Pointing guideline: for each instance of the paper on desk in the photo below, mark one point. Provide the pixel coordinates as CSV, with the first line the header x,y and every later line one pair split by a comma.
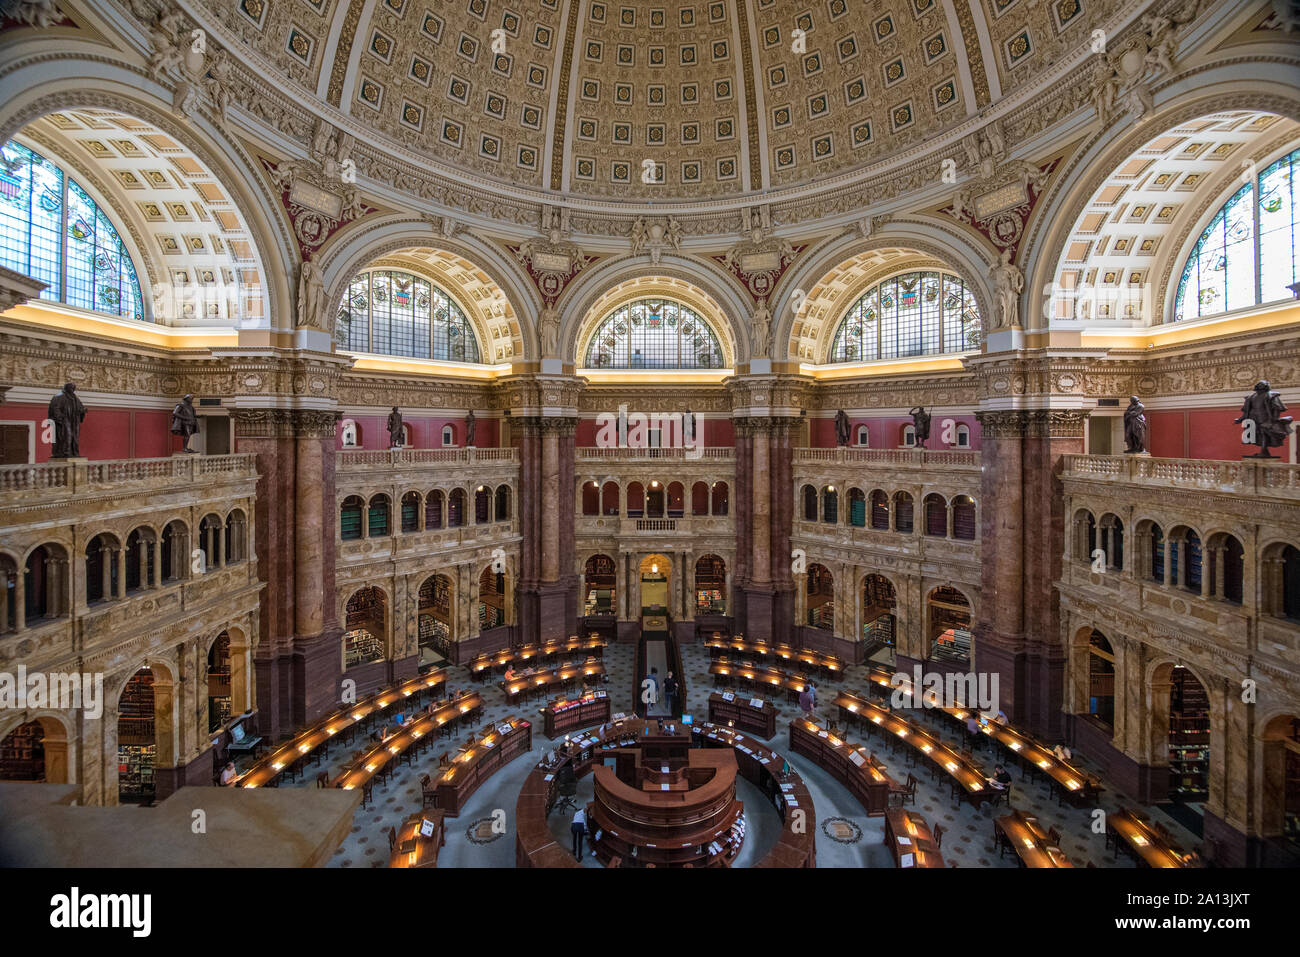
x,y
905,860
756,702
904,840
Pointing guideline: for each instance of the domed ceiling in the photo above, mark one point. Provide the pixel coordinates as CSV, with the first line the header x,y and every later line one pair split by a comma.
x,y
642,100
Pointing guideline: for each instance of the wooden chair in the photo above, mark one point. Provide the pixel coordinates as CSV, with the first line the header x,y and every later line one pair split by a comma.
x,y
392,839
908,791
428,793
323,779
1054,836
938,835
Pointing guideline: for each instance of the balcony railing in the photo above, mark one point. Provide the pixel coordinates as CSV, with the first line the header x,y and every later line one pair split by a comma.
x,y
78,477
366,460
1247,477
893,457
713,453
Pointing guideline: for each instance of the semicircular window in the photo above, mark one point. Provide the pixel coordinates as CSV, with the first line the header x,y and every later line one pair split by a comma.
x,y
1221,273
654,334
912,314
51,230
395,313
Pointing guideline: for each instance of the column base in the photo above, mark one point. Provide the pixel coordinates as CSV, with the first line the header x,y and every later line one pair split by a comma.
x,y
197,773
1147,783
760,613
317,671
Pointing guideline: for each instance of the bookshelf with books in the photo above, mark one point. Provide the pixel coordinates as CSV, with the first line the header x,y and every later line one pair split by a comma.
x,y
22,754
136,749
360,647
1189,738
435,615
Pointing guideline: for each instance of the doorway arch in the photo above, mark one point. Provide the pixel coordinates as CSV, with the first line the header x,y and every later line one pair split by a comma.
x,y
656,570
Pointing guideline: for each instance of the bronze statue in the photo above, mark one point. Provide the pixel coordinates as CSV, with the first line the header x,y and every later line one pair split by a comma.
x,y
841,428
394,429
1135,427
67,413
921,424
1269,427
185,422
470,427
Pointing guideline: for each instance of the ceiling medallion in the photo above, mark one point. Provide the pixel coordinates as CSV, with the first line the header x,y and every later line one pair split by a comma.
x,y
554,261
760,260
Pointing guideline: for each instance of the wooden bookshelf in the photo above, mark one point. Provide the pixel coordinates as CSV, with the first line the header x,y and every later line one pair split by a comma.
x,y
1189,738
22,755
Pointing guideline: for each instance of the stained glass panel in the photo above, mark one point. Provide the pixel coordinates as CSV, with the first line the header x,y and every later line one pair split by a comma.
x,y
913,314
396,313
1220,272
39,206
654,334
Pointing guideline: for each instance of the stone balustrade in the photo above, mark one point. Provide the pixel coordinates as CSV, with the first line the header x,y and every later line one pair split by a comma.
x,y
1273,479
621,454
925,459
59,480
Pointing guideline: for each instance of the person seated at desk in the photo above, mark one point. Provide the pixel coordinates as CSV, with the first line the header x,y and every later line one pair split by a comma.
x,y
1001,717
400,719
1000,778
1061,752
228,775
972,730
510,674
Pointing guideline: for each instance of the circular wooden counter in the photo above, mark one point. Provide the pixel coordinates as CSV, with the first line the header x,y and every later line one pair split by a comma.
x,y
536,846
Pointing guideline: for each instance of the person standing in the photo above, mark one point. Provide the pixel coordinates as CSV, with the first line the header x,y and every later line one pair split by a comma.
x,y
670,691
578,829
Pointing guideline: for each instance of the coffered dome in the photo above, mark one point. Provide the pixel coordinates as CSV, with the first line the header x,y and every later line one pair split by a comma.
x,y
629,99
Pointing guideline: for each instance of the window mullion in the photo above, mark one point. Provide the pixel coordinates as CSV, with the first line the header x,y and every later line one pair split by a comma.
x,y
1259,252
63,241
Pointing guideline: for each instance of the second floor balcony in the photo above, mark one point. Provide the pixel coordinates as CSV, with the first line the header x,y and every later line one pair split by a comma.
x,y
90,547
1213,546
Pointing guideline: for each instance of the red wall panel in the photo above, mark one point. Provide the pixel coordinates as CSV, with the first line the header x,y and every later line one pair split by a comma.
x,y
886,432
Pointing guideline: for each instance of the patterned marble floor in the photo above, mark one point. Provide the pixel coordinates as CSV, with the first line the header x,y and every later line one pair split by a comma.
x,y
846,837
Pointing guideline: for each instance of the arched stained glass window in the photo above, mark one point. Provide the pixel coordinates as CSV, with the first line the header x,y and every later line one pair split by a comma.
x,y
654,334
51,230
1241,261
913,314
395,313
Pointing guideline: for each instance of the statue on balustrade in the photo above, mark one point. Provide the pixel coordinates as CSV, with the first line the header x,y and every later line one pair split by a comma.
x,y
394,429
1135,427
470,427
688,429
921,424
1268,427
841,428
185,422
67,413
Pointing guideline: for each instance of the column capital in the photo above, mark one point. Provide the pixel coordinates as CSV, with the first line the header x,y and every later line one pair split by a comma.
x,y
284,423
1032,423
563,426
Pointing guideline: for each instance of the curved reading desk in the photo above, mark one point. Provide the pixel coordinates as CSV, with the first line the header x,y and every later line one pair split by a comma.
x,y
536,846
341,724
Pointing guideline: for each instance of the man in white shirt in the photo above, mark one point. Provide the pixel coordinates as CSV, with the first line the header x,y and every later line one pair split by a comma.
x,y
228,775
578,828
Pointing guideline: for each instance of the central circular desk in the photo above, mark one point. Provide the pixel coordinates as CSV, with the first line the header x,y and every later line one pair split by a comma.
x,y
707,806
